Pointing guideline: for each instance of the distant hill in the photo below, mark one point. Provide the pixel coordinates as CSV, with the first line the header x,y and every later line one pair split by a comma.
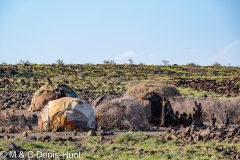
x,y
93,80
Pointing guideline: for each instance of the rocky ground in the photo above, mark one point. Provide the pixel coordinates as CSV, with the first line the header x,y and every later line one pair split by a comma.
x,y
17,100
225,87
163,143
214,143
170,143
204,133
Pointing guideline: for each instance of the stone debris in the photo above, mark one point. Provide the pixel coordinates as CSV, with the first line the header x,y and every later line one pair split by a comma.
x,y
203,134
12,129
33,138
28,127
25,134
22,121
45,138
74,133
101,138
13,147
57,139
70,139
5,136
91,133
32,118
106,133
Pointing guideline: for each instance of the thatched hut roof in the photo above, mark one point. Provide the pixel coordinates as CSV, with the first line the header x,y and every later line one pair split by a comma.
x,y
140,90
144,91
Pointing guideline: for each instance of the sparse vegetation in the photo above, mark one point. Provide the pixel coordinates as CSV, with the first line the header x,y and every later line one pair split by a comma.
x,y
165,62
108,62
192,64
217,88
131,146
130,61
91,80
216,64
60,62
27,62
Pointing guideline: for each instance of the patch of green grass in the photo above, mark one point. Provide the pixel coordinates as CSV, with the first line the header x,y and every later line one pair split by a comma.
x,y
132,145
130,137
39,146
128,145
237,84
191,92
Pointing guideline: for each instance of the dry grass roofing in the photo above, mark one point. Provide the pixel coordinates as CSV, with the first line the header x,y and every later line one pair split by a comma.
x,y
122,113
140,90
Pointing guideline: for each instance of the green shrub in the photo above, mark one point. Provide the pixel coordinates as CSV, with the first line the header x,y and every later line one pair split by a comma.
x,y
237,84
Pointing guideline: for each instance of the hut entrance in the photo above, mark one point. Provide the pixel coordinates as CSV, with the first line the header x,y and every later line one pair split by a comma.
x,y
156,109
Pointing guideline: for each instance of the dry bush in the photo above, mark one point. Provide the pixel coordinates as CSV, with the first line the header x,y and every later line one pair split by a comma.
x,y
216,65
192,64
5,118
170,91
2,116
122,113
209,106
140,90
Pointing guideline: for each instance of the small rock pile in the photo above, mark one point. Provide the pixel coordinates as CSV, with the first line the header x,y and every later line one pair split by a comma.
x,y
225,86
192,135
10,129
18,100
16,119
205,134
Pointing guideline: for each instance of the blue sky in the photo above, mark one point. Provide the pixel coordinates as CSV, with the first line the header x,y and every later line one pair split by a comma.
x,y
91,31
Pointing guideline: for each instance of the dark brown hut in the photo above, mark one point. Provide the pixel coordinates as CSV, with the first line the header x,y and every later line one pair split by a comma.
x,y
150,97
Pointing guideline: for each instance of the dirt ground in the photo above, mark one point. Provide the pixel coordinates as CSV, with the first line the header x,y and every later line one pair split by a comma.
x,y
37,134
